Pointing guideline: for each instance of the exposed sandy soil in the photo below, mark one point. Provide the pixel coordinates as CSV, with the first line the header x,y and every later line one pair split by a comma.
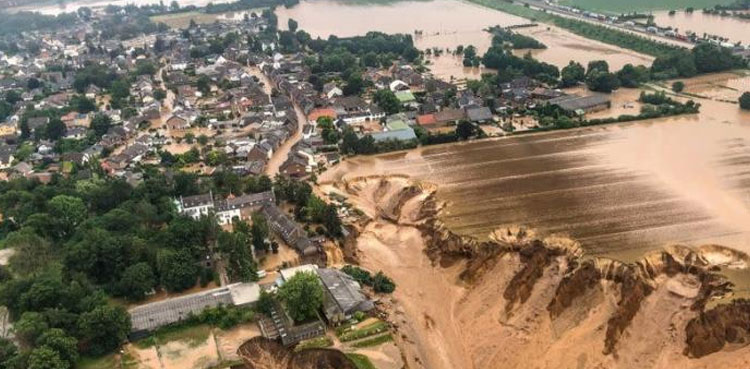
x,y
189,355
229,341
503,318
143,358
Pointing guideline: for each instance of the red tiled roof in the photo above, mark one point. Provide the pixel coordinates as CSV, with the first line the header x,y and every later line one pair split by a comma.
x,y
321,112
426,120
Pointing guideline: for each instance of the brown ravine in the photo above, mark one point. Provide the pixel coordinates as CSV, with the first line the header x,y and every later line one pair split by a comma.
x,y
262,353
676,271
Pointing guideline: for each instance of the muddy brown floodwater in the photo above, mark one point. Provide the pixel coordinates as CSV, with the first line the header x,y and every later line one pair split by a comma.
x,y
735,29
446,24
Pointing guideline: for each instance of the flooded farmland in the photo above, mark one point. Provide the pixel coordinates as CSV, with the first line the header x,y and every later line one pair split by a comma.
x,y
735,29
446,24
620,190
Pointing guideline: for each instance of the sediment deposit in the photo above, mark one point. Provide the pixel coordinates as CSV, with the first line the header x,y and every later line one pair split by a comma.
x,y
262,353
516,301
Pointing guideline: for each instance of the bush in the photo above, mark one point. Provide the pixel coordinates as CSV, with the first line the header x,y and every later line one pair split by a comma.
x,y
745,101
380,283
678,86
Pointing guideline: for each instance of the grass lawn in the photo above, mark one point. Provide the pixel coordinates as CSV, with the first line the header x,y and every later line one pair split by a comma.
x,y
319,342
624,6
194,335
375,341
369,330
361,361
105,362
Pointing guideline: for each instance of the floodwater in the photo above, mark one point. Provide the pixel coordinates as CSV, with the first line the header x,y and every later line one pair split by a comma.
x,y
55,8
445,24
620,190
735,29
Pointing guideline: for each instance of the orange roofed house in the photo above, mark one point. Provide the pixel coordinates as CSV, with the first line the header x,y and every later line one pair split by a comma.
x,y
321,112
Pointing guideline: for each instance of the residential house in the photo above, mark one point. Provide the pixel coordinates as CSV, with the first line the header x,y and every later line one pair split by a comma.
x,y
289,230
177,123
6,155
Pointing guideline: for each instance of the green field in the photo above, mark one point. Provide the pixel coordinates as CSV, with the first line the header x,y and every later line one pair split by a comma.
x,y
361,361
625,6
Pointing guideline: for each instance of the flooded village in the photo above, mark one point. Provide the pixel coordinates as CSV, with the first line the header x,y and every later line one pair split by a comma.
x,y
341,184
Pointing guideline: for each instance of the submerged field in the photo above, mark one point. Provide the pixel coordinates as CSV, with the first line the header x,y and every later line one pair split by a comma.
x,y
626,6
619,190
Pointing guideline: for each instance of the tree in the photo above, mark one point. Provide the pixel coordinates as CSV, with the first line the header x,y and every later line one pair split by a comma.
x,y
63,344
178,271
235,247
101,124
382,284
678,86
265,302
30,326
8,353
745,101
120,89
103,329
631,76
572,74
387,101
302,295
354,85
55,129
259,231
597,65
331,221
160,94
602,81
202,140
46,358
82,104
204,84
32,253
136,281
292,25
12,97
465,130
68,212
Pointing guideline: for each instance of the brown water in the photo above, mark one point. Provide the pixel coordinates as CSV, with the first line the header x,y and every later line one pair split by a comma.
x,y
54,8
446,24
620,190
734,29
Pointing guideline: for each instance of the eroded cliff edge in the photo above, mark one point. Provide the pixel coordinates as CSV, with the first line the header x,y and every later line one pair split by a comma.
x,y
550,294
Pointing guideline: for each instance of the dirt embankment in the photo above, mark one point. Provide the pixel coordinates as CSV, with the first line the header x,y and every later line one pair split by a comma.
x,y
521,302
262,353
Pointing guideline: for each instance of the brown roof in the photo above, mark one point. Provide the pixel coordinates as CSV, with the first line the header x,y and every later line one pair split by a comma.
x,y
449,115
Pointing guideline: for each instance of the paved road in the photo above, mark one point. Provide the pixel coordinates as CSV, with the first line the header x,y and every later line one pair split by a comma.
x,y
640,32
282,153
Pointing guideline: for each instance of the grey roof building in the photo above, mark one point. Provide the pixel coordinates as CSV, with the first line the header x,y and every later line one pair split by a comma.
x,y
479,114
148,317
579,104
289,230
343,296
